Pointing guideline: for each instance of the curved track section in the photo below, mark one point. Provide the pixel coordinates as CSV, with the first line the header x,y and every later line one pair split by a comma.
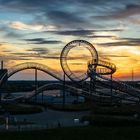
x,y
32,65
117,85
84,93
76,91
106,67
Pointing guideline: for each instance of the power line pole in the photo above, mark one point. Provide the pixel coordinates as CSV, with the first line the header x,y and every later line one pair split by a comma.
x,y
132,74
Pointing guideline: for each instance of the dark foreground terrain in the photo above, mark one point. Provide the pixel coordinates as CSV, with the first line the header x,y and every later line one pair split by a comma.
x,y
77,133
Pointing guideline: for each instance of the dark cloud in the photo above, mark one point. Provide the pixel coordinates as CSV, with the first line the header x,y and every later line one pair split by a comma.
x,y
83,32
37,5
113,55
51,57
120,43
11,57
75,32
101,2
123,13
130,10
35,39
7,51
67,14
39,51
83,57
49,42
26,55
123,42
9,33
66,19
52,12
12,34
100,36
135,40
23,5
20,54
50,5
64,13
42,41
77,64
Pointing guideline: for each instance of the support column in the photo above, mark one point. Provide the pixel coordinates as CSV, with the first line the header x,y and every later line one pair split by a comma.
x,y
2,64
91,84
92,90
42,97
111,89
64,98
77,98
95,84
1,85
36,86
94,78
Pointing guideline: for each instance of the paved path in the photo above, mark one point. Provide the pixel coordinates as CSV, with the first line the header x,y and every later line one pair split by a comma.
x,y
52,117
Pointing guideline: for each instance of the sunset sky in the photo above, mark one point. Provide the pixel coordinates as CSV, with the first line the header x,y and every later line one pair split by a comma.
x,y
37,30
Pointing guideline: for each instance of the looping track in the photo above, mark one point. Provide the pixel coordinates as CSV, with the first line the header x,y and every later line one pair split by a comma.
x,y
64,54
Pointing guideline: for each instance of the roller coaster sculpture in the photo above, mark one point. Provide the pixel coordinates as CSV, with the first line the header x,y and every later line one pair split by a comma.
x,y
96,71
